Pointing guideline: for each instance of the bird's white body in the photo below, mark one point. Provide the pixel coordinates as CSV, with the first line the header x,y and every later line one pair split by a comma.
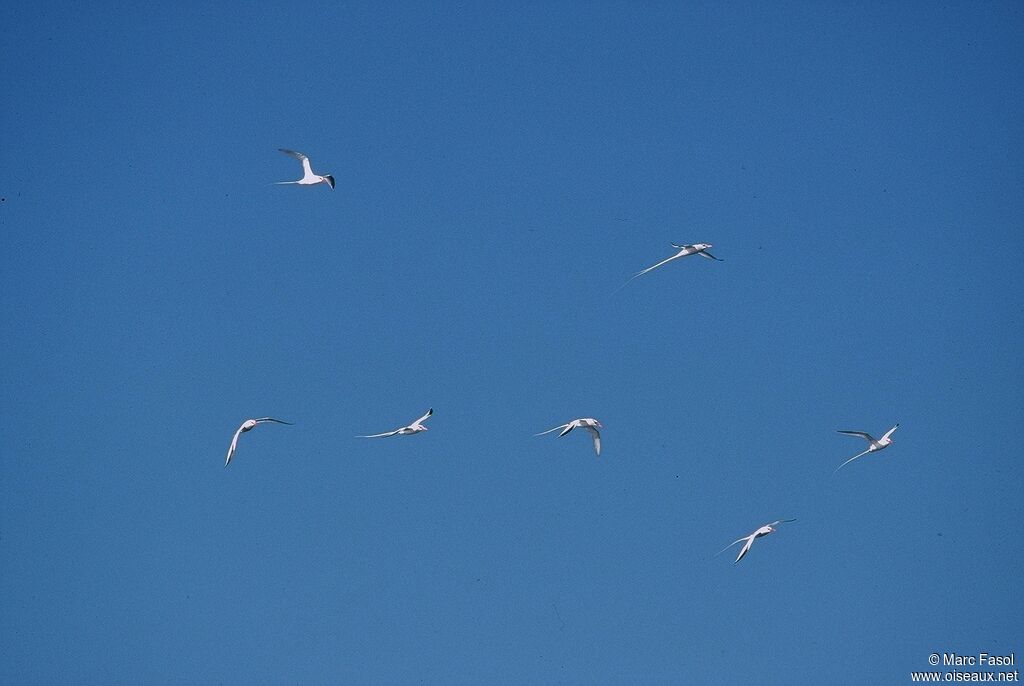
x,y
684,251
247,425
874,445
308,177
414,428
588,423
749,540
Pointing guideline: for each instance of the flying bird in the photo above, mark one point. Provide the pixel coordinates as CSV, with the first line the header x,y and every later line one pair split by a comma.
x,y
248,425
873,445
588,423
763,531
684,250
308,177
413,428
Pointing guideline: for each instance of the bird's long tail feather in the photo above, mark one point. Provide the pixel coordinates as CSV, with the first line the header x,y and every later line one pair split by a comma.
x,y
628,281
851,460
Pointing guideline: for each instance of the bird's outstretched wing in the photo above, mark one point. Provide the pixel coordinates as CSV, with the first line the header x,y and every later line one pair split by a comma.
x,y
705,253
233,446
781,521
889,432
597,439
744,550
745,538
297,155
865,436
424,417
271,419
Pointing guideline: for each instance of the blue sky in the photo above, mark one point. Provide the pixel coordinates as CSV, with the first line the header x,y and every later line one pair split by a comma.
x,y
501,170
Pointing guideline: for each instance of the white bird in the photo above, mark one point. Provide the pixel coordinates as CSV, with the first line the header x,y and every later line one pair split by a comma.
x,y
873,445
248,425
308,177
413,428
763,531
684,250
588,423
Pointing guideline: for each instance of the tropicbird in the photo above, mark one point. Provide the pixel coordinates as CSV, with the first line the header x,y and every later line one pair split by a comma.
x,y
873,445
308,177
588,423
684,250
413,428
763,531
248,425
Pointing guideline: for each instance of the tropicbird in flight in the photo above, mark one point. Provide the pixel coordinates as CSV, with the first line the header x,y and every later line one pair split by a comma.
x,y
248,425
684,250
413,428
588,423
763,531
873,445
308,177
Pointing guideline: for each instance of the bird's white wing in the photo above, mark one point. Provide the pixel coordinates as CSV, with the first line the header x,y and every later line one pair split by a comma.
x,y
231,449
296,155
705,253
386,433
568,427
889,432
781,521
865,436
745,538
745,550
560,426
681,247
271,419
597,439
307,170
850,460
424,417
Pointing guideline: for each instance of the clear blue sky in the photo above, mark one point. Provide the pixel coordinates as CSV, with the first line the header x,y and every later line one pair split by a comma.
x,y
500,172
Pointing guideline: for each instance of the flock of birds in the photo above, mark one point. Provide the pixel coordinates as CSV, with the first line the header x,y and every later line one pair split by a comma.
x,y
309,178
